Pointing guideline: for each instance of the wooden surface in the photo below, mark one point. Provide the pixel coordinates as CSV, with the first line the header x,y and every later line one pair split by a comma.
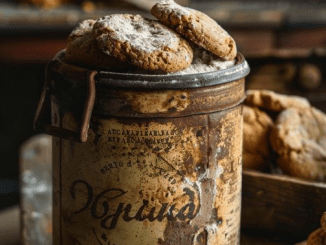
x,y
30,50
301,38
257,239
9,234
249,40
282,205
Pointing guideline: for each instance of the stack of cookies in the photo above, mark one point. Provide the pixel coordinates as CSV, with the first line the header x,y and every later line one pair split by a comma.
x,y
131,43
286,129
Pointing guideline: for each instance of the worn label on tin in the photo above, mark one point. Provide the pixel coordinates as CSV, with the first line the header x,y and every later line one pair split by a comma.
x,y
152,181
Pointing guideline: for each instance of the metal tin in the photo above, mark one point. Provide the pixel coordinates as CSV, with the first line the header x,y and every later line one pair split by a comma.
x,y
161,161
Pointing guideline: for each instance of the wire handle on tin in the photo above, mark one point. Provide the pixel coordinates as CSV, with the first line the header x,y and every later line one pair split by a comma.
x,y
45,102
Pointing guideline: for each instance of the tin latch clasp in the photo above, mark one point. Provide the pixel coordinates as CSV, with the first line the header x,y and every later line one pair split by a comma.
x,y
45,103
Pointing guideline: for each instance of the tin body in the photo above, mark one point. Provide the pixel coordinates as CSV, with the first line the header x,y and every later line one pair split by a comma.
x,y
162,165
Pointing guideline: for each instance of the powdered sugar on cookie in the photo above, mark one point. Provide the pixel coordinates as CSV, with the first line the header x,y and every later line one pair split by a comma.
x,y
82,28
173,7
205,61
142,42
140,33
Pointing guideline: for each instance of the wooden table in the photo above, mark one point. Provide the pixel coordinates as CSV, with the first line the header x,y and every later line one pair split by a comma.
x,y
10,226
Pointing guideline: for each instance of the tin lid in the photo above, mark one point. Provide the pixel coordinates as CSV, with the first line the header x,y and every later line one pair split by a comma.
x,y
151,82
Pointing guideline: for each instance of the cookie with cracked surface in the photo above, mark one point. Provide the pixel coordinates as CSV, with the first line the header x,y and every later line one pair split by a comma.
x,y
256,147
272,101
82,50
197,27
299,139
143,42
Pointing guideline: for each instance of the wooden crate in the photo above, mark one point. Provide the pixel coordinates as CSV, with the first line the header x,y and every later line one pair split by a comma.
x,y
281,205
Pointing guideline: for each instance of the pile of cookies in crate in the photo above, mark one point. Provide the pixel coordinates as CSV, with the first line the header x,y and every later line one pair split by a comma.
x,y
285,135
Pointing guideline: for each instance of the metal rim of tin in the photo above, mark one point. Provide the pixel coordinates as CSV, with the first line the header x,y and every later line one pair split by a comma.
x,y
170,81
125,81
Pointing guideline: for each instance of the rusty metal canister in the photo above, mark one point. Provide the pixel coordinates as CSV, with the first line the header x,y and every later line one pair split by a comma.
x,y
144,159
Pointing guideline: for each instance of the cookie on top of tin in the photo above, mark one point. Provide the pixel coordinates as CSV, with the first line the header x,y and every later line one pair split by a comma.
x,y
196,26
144,43
82,50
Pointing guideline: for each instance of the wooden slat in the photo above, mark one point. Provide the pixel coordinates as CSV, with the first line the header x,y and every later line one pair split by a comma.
x,y
258,239
253,40
301,38
28,50
281,204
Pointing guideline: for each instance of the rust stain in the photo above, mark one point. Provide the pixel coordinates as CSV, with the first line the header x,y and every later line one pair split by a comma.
x,y
158,101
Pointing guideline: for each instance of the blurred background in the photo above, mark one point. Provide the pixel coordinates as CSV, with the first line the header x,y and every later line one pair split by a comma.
x,y
283,41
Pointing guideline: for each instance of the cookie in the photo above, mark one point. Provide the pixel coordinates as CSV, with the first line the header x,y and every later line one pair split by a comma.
x,y
323,221
84,27
144,43
309,77
299,138
197,27
318,237
272,101
60,56
82,50
256,147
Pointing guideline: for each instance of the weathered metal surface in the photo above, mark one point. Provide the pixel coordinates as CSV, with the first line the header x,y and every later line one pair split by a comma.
x,y
159,166
36,190
146,181
168,103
